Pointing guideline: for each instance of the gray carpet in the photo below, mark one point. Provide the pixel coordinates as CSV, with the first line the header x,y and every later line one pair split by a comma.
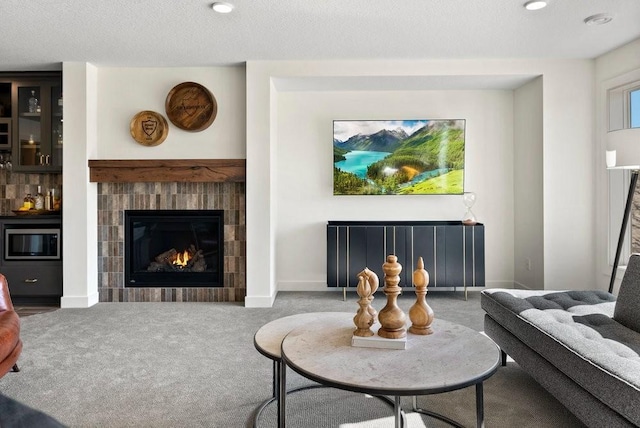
x,y
194,365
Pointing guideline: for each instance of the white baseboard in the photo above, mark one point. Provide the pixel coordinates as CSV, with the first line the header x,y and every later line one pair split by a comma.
x,y
79,301
322,286
304,286
498,283
520,286
259,301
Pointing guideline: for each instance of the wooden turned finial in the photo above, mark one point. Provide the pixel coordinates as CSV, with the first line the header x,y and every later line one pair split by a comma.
x,y
392,318
421,314
374,282
363,319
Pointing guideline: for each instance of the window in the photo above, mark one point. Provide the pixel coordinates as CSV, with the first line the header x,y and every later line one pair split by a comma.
x,y
632,100
634,108
624,112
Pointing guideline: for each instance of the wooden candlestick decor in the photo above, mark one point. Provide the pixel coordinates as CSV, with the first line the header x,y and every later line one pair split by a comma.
x,y
420,313
364,319
392,318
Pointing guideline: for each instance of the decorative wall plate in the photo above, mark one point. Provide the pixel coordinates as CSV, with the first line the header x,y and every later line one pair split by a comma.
x,y
190,106
149,128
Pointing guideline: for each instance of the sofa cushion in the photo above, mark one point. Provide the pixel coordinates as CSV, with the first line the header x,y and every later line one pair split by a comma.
x,y
575,331
627,310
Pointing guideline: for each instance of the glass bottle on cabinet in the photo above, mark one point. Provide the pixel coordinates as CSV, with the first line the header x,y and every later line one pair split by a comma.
x,y
38,132
33,103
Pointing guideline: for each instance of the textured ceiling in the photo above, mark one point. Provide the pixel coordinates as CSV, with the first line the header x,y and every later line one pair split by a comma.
x,y
41,34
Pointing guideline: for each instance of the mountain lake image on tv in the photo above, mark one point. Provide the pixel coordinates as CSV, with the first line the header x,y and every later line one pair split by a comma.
x,y
398,157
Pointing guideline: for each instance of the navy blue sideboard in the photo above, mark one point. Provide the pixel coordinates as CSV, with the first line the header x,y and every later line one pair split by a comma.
x,y
453,253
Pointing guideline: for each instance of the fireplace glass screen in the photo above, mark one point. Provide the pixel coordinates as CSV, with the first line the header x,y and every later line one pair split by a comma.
x,y
176,248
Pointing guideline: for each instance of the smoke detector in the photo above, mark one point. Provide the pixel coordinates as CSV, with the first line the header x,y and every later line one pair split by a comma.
x,y
598,19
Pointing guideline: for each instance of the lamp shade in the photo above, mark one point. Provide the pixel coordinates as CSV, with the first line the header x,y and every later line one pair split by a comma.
x,y
626,145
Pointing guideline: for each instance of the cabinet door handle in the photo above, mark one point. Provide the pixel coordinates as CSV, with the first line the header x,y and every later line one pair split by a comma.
x,y
47,160
31,281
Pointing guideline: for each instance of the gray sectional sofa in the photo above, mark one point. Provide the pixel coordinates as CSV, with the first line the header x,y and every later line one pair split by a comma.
x,y
582,346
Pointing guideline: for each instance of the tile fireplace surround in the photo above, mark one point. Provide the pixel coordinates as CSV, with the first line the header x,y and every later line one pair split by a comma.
x,y
165,184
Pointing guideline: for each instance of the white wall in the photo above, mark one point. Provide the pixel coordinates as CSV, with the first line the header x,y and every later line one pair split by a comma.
x,y
611,70
79,220
567,133
528,180
99,106
123,92
261,189
568,156
305,198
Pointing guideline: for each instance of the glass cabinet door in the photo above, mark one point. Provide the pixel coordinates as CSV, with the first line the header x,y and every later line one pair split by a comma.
x,y
38,129
56,126
29,126
5,119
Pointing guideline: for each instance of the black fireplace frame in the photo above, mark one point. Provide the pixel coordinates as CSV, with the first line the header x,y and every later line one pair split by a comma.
x,y
169,279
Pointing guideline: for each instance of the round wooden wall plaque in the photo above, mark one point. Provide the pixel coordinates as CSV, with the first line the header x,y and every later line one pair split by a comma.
x,y
149,128
190,106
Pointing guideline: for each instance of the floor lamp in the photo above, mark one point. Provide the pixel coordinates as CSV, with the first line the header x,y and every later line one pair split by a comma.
x,y
623,152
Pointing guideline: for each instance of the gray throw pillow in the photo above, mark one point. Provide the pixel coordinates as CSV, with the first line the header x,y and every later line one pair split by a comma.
x,y
627,310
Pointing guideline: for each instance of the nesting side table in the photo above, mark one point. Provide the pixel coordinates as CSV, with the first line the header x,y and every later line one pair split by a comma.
x,y
268,341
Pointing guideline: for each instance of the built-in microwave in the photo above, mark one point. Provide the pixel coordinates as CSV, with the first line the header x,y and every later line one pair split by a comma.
x,y
32,243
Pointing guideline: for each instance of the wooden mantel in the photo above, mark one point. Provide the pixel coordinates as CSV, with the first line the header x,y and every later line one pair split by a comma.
x,y
167,170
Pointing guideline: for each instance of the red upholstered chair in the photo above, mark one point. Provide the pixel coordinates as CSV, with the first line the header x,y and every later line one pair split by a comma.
x,y
10,343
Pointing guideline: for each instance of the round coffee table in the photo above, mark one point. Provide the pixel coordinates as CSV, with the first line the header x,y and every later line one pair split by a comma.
x,y
451,358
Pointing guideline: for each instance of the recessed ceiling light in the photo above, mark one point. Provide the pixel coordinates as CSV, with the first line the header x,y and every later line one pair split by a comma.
x,y
535,4
222,7
598,19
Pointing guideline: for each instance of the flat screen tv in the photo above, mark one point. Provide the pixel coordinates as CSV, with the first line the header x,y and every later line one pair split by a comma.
x,y
398,157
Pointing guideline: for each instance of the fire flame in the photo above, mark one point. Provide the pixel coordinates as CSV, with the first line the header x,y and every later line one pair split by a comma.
x,y
182,259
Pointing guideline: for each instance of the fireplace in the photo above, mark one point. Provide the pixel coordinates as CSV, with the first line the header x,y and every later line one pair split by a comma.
x,y
173,248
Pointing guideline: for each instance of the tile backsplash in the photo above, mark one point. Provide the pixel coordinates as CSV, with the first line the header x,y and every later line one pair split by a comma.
x,y
14,186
